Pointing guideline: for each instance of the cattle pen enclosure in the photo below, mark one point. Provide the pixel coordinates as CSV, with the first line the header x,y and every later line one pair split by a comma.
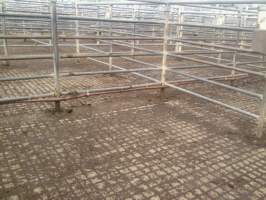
x,y
133,99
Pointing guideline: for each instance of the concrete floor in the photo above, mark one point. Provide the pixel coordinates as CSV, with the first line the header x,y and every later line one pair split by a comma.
x,y
141,147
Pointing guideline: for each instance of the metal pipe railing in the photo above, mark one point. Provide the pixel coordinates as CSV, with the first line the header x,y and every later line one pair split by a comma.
x,y
119,30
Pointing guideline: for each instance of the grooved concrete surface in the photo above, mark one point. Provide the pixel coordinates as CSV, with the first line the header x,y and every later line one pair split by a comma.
x,y
129,146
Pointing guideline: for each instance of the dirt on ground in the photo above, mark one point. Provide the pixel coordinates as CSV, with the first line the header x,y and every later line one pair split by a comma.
x,y
149,144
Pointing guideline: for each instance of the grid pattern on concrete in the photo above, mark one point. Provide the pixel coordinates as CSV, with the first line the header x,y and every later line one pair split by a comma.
x,y
155,150
126,146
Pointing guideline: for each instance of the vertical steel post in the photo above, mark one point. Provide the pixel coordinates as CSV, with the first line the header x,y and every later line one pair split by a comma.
x,y
179,32
243,24
137,17
233,72
4,32
23,25
77,30
220,19
109,15
165,45
262,108
98,24
134,29
261,121
55,52
171,31
234,62
153,31
24,30
261,25
238,36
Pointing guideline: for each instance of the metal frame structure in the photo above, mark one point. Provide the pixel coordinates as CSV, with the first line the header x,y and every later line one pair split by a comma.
x,y
212,35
